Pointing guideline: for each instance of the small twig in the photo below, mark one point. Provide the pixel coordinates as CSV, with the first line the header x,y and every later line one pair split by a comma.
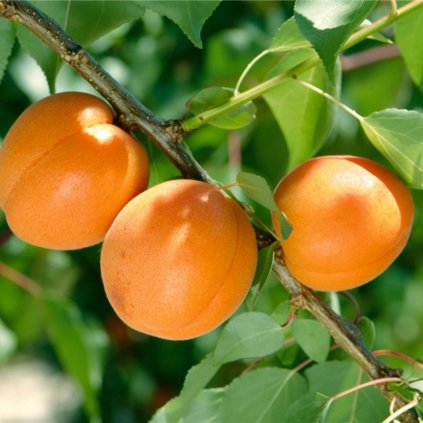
x,y
403,409
19,279
383,381
400,355
369,57
305,363
354,302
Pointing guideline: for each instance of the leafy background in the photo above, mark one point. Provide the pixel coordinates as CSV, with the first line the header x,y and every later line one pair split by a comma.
x,y
124,376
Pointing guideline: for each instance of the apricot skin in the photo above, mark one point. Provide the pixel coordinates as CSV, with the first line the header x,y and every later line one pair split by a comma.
x,y
178,260
66,171
351,218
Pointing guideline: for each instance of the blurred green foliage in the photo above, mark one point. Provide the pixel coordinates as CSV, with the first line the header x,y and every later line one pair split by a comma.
x,y
154,60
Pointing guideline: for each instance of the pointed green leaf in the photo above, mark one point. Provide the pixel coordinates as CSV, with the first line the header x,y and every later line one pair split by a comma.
x,y
328,23
86,21
312,337
409,36
248,335
398,135
262,396
264,266
7,39
304,117
257,188
215,96
190,16
289,37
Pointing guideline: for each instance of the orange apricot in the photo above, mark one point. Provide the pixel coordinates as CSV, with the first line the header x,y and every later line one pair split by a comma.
x,y
178,260
66,171
351,218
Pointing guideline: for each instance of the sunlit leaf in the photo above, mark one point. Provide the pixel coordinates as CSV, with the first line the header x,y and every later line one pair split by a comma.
x,y
328,23
398,135
304,117
289,37
86,21
409,36
310,408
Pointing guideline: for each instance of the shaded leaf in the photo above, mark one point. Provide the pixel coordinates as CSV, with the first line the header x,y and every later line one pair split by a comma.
x,y
312,337
85,21
264,266
215,96
79,347
257,188
409,36
330,378
328,23
7,39
367,330
310,408
190,16
304,117
398,135
262,396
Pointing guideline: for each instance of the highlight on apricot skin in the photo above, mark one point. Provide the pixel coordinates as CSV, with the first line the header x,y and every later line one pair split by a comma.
x,y
66,171
351,218
178,260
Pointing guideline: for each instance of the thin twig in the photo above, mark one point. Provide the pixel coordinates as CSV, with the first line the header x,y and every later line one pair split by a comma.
x,y
19,279
354,302
399,355
403,409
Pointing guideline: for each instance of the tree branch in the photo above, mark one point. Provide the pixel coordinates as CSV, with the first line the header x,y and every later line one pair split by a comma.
x,y
167,135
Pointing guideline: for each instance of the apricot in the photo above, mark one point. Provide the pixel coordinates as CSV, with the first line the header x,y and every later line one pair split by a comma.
x,y
66,171
178,260
351,218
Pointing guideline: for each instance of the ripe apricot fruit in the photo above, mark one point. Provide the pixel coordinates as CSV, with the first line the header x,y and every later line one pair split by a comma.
x,y
351,219
178,260
66,171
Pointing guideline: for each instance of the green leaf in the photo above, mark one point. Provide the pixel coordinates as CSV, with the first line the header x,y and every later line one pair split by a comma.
x,y
264,266
189,15
328,23
206,407
7,39
248,335
262,396
367,330
257,188
304,117
8,342
289,37
79,347
312,337
215,96
310,408
85,21
331,378
398,135
409,36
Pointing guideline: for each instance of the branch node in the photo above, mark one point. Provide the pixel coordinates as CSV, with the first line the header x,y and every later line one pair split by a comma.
x,y
7,10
